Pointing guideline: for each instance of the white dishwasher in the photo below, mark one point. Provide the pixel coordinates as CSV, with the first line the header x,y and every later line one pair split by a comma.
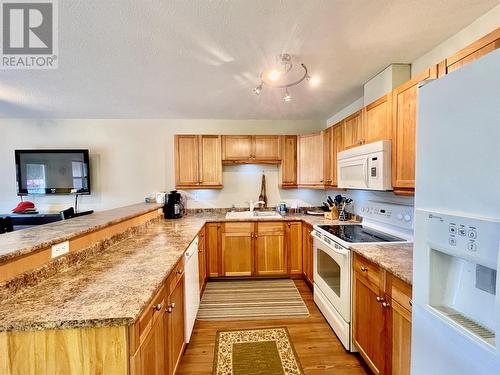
x,y
191,288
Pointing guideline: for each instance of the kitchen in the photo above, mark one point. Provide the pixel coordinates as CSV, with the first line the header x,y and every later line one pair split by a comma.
x,y
362,253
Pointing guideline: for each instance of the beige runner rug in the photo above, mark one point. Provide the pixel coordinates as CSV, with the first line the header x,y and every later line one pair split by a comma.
x,y
251,300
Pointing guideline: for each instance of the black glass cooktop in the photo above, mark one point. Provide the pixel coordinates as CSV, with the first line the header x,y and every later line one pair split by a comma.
x,y
358,233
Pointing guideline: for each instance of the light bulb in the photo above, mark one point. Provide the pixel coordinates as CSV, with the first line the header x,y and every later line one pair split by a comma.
x,y
287,98
274,75
314,81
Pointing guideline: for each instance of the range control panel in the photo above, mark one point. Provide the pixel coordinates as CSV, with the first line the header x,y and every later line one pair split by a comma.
x,y
388,213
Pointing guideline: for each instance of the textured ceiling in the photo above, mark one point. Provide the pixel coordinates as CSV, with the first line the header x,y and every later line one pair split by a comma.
x,y
201,59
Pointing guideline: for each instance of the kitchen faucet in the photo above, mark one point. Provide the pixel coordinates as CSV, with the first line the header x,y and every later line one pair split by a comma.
x,y
252,204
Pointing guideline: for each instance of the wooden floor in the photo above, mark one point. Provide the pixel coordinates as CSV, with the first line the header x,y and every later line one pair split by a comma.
x,y
319,350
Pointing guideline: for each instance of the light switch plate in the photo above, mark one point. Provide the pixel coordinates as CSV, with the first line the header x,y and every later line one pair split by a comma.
x,y
60,249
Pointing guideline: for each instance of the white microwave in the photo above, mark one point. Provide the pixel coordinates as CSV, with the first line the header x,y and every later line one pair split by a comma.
x,y
366,167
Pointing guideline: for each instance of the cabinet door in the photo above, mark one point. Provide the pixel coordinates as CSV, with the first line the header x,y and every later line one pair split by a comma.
x,y
186,160
237,147
352,128
369,323
202,259
479,48
310,160
293,241
337,146
213,249
404,132
152,356
267,148
377,122
400,335
210,161
288,169
328,162
270,249
307,248
237,249
175,331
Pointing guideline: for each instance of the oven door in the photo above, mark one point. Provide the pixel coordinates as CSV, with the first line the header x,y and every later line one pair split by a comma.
x,y
332,274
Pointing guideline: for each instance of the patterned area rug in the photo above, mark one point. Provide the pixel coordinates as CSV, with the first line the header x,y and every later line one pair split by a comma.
x,y
267,351
252,299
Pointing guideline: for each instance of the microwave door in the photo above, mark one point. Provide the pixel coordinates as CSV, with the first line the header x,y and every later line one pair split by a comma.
x,y
353,173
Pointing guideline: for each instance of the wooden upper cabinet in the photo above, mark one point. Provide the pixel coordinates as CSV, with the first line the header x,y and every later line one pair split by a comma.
x,y
474,51
210,160
293,247
237,147
404,119
186,160
310,160
333,143
377,120
251,149
352,130
267,148
237,249
270,249
288,169
198,161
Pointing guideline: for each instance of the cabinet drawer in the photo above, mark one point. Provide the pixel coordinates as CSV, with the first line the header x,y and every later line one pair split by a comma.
x,y
176,275
270,228
148,317
367,270
399,291
238,228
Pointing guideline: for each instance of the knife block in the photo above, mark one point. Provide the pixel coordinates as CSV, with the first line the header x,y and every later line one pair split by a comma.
x,y
333,214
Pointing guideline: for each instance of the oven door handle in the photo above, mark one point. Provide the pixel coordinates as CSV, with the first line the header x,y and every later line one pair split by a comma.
x,y
332,247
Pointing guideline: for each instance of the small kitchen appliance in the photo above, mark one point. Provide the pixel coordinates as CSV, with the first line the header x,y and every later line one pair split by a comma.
x,y
174,208
382,223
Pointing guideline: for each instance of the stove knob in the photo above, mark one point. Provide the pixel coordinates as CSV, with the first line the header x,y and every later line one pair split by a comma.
x,y
407,218
400,216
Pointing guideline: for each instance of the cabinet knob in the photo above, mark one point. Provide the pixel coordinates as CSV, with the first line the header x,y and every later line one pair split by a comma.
x,y
364,269
179,271
380,299
169,310
386,305
172,305
410,302
157,307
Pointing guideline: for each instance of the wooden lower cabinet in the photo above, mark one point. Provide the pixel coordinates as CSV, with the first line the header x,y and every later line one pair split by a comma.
x,y
202,259
270,249
308,258
237,249
381,318
293,247
175,327
213,251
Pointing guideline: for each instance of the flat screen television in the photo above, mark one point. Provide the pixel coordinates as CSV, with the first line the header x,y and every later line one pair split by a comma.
x,y
52,172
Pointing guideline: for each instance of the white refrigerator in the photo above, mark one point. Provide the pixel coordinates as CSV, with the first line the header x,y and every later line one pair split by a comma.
x,y
456,280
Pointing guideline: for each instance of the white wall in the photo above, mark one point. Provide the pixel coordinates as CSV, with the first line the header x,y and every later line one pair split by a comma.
x,y
131,158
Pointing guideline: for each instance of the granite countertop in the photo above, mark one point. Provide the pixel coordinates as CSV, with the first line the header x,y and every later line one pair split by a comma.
x,y
28,240
397,258
114,287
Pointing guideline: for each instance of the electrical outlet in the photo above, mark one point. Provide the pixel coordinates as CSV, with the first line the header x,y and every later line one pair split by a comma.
x,y
60,249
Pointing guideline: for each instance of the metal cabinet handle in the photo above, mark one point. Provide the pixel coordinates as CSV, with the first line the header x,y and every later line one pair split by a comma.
x,y
410,302
157,307
380,299
364,269
386,305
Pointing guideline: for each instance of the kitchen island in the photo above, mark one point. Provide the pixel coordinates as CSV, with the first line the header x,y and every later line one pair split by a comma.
x,y
114,300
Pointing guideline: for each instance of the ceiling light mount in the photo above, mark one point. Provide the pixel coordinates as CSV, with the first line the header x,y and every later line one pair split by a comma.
x,y
283,75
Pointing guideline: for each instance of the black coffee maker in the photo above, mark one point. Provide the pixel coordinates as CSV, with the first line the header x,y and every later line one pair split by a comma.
x,y
173,207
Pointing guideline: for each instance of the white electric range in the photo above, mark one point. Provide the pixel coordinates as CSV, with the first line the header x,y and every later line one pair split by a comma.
x,y
382,223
